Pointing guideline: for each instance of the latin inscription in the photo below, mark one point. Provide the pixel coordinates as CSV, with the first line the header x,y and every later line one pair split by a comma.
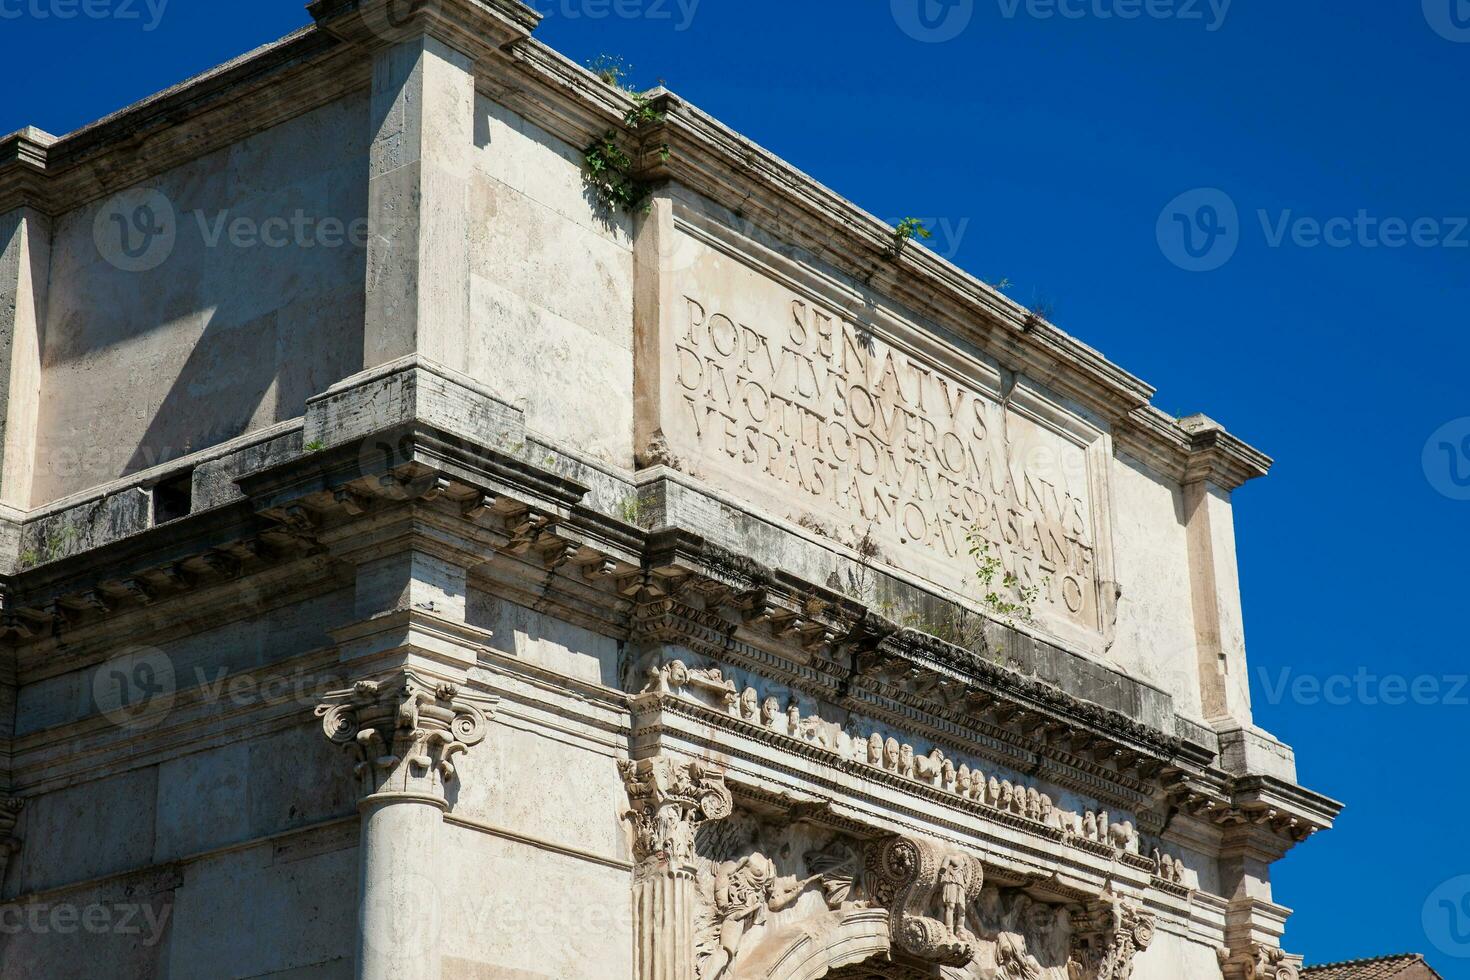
x,y
853,428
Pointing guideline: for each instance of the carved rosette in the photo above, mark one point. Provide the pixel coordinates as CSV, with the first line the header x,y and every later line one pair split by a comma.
x,y
405,732
926,889
670,800
1258,963
1106,937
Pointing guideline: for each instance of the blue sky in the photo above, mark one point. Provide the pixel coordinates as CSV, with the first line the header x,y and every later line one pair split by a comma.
x,y
1049,142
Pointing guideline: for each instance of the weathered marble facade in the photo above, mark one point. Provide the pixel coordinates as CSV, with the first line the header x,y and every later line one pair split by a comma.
x,y
719,591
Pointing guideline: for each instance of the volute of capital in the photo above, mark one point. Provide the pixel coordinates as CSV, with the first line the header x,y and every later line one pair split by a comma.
x,y
406,731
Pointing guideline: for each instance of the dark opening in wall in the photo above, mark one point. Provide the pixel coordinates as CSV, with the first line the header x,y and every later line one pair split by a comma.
x,y
173,498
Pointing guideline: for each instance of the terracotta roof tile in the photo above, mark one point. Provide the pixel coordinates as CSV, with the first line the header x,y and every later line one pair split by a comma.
x,y
1378,968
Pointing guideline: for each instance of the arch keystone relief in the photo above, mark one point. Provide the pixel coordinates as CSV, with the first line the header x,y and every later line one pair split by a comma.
x,y
839,414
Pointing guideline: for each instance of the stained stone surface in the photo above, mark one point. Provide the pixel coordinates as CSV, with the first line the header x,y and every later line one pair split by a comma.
x,y
709,592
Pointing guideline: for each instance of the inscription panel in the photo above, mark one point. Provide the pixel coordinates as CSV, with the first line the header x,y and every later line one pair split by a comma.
x,y
786,389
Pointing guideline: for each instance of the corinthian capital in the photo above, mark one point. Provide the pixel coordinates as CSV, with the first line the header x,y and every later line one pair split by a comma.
x,y
405,732
670,800
1257,962
1106,936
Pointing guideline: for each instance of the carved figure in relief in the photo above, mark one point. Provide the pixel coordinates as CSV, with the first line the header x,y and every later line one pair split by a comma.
x,y
906,761
677,675
793,717
875,749
928,767
746,891
891,755
954,879
770,708
750,704
1122,835
1171,869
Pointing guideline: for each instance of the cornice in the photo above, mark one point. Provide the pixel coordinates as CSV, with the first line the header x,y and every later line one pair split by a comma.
x,y
332,57
274,83
468,25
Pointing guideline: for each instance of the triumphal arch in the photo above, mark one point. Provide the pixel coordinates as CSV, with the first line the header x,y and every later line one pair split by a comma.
x,y
464,519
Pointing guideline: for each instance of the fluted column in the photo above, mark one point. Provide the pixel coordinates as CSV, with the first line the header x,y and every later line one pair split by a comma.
x,y
405,732
670,800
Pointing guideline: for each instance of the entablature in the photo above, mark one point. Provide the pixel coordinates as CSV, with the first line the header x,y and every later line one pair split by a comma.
x,y
530,532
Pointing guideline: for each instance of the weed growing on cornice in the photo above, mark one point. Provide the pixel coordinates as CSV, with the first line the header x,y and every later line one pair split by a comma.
x,y
908,229
608,165
56,543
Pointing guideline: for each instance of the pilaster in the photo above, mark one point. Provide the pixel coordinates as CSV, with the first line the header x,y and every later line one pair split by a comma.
x,y
1214,580
669,800
25,258
418,288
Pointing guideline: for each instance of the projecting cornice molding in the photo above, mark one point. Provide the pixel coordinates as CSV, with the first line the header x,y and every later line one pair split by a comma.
x,y
332,58
469,25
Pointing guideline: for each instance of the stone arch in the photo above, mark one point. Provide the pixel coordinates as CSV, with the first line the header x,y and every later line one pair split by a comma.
x,y
811,948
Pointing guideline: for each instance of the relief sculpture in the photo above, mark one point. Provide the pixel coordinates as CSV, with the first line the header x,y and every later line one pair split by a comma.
x,y
940,910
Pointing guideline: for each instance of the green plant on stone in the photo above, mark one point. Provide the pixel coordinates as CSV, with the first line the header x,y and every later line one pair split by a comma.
x,y
1008,600
608,166
908,229
630,509
611,68
315,446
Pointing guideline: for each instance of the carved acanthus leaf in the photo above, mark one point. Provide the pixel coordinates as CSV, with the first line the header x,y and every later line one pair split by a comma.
x,y
1257,962
670,800
1106,937
405,731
